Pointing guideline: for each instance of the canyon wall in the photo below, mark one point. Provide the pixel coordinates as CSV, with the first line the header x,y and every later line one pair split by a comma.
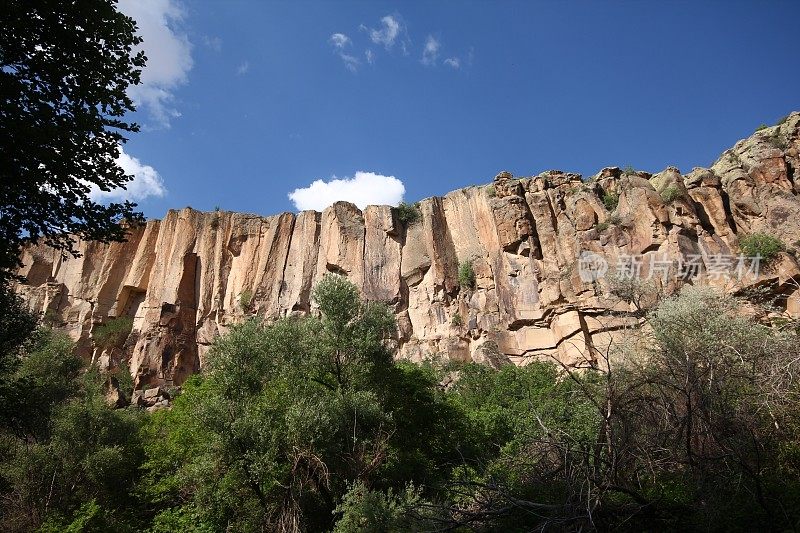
x,y
530,242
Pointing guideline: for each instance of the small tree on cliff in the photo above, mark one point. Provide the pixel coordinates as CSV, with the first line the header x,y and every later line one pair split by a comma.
x,y
65,67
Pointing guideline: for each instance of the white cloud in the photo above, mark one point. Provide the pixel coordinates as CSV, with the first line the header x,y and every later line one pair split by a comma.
x,y
243,68
350,62
168,51
391,28
431,52
339,40
363,189
146,182
453,62
370,56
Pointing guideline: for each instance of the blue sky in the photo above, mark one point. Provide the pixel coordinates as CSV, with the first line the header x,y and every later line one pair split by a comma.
x,y
244,102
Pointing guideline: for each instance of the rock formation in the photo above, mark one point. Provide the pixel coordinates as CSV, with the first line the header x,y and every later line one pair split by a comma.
x,y
187,278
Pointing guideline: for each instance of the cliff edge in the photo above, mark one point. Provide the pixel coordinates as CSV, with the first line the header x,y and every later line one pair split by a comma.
x,y
506,273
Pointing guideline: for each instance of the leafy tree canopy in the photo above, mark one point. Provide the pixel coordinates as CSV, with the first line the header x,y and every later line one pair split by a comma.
x,y
65,67
288,416
308,424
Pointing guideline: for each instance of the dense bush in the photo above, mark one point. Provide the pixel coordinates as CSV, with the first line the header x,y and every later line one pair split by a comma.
x,y
466,275
112,333
408,213
17,324
371,511
714,391
611,200
671,193
289,416
245,299
309,424
761,244
68,462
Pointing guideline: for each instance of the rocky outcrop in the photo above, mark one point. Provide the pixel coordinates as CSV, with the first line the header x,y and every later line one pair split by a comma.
x,y
187,278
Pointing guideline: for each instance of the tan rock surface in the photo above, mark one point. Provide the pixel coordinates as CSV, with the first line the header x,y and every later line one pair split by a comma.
x,y
187,278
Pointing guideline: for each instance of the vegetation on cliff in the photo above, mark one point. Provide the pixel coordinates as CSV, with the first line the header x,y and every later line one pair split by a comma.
x,y
689,421
310,424
762,245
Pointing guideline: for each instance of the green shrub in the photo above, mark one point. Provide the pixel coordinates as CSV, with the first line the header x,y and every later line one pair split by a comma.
x,y
671,193
299,404
245,299
408,213
112,333
457,321
124,378
490,191
601,226
369,511
782,120
762,127
761,244
628,171
466,275
611,200
52,319
17,324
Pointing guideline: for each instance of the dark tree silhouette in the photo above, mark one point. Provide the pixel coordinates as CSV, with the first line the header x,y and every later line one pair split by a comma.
x,y
65,66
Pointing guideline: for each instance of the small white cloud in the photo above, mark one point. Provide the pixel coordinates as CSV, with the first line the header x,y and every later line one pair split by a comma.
x,y
453,62
339,40
350,62
146,182
168,51
370,56
391,29
243,68
431,51
363,189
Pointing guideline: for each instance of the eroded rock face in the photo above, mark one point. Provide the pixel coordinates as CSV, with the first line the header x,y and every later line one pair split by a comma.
x,y
186,279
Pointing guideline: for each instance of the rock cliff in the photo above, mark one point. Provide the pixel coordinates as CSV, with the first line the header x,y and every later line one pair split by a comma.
x,y
538,247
